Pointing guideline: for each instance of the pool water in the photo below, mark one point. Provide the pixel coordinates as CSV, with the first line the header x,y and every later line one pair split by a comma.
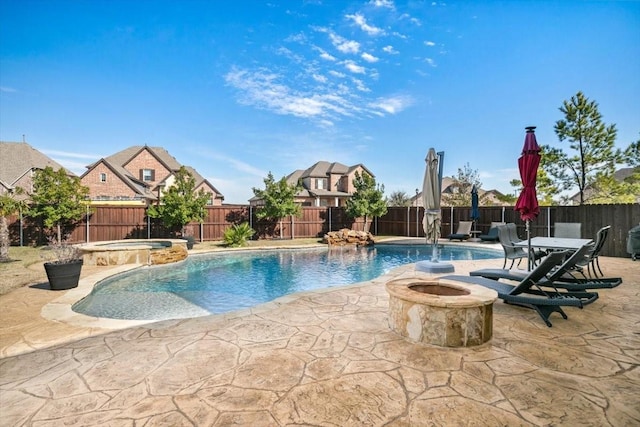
x,y
223,282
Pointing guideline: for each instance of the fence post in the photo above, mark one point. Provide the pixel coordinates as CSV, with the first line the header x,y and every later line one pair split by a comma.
x,y
87,225
201,232
329,208
451,225
21,229
408,223
292,225
548,221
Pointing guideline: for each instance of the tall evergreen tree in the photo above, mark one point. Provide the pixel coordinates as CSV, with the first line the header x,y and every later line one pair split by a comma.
x,y
368,199
278,198
594,156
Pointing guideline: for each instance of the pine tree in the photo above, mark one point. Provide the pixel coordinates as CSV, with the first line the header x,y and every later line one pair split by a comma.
x,y
594,156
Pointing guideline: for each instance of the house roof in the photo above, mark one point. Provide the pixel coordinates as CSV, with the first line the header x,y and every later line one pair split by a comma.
x,y
18,158
123,157
138,187
323,168
201,180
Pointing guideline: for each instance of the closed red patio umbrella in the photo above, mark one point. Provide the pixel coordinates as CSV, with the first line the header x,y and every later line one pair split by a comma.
x,y
528,163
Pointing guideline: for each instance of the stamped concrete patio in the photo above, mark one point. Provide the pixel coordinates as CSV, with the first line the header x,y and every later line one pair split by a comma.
x,y
324,358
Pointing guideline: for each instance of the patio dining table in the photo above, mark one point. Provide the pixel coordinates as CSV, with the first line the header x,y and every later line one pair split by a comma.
x,y
552,244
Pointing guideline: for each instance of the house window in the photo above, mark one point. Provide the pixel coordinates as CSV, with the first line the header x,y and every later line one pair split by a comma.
x,y
210,201
148,175
320,183
103,177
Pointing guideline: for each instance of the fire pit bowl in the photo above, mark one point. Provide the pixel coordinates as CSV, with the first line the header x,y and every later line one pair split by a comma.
x,y
441,312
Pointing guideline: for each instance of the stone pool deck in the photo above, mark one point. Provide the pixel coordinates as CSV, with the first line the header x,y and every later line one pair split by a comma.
x,y
325,358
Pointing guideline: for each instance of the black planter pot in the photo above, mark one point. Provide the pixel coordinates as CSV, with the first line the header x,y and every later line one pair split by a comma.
x,y
190,241
63,276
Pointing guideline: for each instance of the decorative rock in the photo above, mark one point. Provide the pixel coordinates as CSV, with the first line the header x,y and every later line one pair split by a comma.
x,y
348,237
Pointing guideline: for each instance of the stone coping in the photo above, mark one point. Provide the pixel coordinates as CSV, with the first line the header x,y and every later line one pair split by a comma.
x,y
110,245
476,295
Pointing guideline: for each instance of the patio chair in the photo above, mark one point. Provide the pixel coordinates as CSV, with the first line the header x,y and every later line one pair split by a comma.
x,y
591,260
560,277
529,293
571,230
512,252
492,235
463,232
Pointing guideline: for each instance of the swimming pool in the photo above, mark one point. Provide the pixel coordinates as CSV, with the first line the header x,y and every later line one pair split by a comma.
x,y
223,282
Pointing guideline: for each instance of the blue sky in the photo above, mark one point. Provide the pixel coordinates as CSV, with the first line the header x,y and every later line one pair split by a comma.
x,y
240,88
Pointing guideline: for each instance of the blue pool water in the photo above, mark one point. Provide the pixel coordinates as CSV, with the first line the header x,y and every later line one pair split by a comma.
x,y
223,282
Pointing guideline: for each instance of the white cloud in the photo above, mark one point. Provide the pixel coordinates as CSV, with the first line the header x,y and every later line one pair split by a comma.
x,y
263,89
389,49
344,45
354,68
392,105
430,62
319,78
7,89
337,74
236,164
369,58
324,54
429,43
362,23
383,3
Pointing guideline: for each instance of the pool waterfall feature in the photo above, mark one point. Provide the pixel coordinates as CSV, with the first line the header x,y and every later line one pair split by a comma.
x,y
134,251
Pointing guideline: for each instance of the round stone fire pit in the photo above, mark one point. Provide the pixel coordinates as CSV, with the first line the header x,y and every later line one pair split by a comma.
x,y
441,312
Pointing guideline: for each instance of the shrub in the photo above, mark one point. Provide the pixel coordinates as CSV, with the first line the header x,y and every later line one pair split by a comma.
x,y
238,234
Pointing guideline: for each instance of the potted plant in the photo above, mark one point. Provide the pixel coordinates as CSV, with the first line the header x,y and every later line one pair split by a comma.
x,y
63,264
60,200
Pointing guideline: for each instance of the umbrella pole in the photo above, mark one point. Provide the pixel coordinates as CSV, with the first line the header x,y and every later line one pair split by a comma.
x,y
529,247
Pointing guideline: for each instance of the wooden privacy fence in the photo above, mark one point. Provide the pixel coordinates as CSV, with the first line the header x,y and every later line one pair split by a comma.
x,y
131,222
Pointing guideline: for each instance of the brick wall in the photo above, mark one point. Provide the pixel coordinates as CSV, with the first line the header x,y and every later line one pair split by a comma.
x,y
145,160
114,187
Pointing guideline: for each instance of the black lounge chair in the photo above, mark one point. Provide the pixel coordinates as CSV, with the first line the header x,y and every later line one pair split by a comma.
x,y
528,293
463,232
560,277
492,235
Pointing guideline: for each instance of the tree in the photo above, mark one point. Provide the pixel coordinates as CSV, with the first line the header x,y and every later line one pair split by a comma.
x,y
181,204
278,198
59,199
546,189
594,157
398,199
461,187
10,203
368,199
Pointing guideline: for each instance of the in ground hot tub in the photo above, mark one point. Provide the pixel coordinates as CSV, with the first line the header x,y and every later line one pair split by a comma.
x,y
134,251
441,312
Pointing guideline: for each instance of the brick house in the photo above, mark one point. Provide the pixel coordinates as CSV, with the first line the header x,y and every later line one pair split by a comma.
x,y
323,184
18,163
138,175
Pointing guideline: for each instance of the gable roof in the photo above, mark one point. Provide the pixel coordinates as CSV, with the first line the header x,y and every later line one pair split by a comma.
x,y
125,156
138,187
18,158
201,180
323,168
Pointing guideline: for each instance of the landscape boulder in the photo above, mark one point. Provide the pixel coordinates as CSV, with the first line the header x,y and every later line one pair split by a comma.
x,y
348,237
